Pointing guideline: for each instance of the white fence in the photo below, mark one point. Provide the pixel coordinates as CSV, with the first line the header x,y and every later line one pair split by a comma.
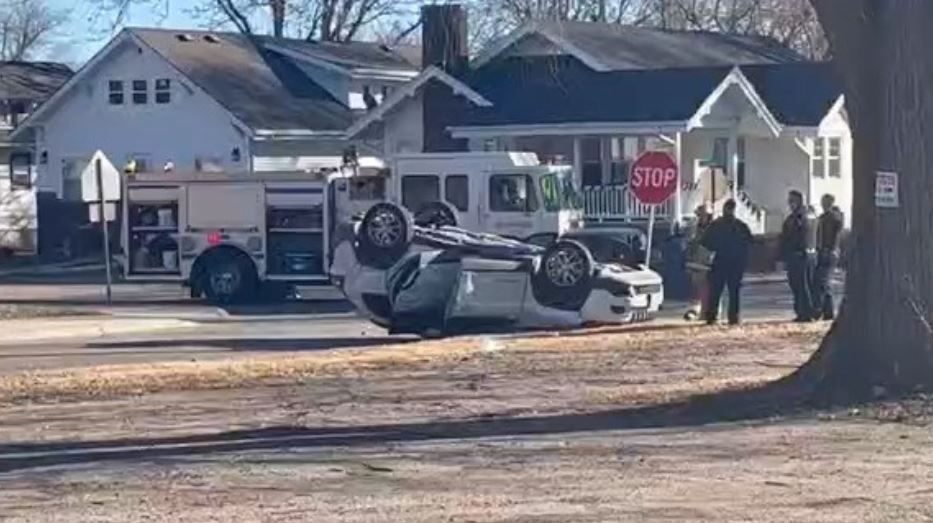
x,y
617,202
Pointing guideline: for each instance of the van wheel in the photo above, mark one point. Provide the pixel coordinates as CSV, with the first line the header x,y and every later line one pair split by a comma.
x,y
229,278
437,215
384,235
563,278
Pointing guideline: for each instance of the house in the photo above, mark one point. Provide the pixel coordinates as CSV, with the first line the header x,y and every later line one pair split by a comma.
x,y
23,87
744,117
196,100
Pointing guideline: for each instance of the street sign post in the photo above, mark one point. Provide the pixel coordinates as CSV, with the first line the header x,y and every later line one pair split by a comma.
x,y
100,184
653,180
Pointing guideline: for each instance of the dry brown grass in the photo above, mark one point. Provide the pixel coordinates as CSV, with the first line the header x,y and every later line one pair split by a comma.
x,y
548,351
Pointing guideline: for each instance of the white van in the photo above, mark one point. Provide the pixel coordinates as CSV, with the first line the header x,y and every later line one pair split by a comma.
x,y
506,193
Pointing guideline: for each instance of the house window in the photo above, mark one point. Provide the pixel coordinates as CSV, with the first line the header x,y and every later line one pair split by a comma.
x,y
591,161
834,157
116,92
720,156
139,162
140,92
163,91
819,158
21,170
512,193
457,191
420,190
740,168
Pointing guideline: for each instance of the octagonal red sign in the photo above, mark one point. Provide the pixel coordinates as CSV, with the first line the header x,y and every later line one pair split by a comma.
x,y
654,177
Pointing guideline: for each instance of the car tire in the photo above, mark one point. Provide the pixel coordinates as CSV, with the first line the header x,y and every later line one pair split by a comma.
x,y
564,276
436,215
384,235
229,278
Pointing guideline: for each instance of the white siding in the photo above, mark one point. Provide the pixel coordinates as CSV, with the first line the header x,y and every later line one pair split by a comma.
x,y
773,167
404,132
191,126
835,126
17,212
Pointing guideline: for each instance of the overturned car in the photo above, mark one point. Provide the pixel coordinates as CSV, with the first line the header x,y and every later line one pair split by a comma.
x,y
440,280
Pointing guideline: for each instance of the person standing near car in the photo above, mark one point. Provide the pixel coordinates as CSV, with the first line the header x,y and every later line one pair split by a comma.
x,y
828,230
798,251
729,239
698,262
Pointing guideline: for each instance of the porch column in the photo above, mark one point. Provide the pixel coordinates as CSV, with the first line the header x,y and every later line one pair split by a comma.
x,y
578,160
679,194
605,158
734,163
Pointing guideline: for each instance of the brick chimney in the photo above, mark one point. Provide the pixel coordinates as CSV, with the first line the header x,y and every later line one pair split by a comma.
x,y
443,44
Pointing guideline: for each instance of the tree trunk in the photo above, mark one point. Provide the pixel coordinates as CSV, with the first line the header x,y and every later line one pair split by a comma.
x,y
278,17
883,339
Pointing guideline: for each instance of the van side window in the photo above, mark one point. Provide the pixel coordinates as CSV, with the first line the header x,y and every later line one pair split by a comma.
x,y
420,190
367,188
457,191
512,193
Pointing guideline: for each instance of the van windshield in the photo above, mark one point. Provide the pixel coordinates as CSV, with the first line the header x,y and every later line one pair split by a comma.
x,y
559,192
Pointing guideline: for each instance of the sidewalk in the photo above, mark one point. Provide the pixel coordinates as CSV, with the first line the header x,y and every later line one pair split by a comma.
x,y
44,329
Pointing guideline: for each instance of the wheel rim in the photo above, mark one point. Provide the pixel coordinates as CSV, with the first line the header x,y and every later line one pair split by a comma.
x,y
385,228
565,267
225,282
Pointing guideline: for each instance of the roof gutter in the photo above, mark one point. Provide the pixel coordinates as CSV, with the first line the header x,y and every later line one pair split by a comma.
x,y
564,129
296,134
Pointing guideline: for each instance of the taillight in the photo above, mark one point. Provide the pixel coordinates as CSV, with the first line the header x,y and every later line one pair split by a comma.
x,y
215,238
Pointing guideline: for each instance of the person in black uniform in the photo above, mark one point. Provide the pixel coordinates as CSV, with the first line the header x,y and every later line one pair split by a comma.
x,y
798,250
728,238
828,230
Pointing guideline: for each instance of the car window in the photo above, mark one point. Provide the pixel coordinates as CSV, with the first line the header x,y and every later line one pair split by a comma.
x,y
541,239
512,193
457,191
419,190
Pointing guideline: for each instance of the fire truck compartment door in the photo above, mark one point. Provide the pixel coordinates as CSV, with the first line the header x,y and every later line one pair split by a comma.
x,y
226,206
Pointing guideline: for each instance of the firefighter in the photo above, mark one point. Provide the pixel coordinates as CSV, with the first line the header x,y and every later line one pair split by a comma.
x,y
729,240
828,230
798,251
698,261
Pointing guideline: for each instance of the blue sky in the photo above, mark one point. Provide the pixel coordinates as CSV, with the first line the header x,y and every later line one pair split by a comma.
x,y
87,29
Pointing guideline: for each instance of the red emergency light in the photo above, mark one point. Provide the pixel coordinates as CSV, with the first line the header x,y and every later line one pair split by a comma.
x,y
215,238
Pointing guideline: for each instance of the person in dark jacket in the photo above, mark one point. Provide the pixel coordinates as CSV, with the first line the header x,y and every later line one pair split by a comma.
x,y
828,230
798,251
728,238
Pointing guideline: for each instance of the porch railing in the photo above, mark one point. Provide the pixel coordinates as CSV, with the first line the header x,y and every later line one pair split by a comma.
x,y
617,202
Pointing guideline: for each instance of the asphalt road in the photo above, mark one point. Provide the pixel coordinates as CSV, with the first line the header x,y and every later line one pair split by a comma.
x,y
322,322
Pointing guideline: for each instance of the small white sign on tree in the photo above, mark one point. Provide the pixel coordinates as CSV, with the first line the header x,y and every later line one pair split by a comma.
x,y
109,179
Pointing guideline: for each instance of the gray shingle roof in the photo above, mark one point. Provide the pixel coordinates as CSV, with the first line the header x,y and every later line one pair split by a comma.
x,y
263,88
561,89
623,47
799,94
35,81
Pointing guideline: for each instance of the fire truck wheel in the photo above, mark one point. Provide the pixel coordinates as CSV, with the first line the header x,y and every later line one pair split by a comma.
x,y
229,277
563,278
436,214
384,235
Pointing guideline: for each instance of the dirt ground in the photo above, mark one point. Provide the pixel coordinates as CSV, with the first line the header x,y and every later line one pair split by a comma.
x,y
542,429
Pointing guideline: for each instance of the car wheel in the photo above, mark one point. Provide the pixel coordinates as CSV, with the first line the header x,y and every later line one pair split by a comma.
x,y
564,275
229,279
436,214
384,235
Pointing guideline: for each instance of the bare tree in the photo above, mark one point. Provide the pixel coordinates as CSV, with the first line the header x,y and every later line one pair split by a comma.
x,y
25,27
326,20
883,338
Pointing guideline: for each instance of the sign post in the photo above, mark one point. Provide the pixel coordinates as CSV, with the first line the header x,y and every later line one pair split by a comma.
x,y
100,184
653,181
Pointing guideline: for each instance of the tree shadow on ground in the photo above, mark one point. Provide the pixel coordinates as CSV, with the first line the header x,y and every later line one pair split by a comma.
x,y
775,399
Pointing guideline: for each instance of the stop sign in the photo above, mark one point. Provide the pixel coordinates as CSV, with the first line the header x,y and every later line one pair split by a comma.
x,y
653,178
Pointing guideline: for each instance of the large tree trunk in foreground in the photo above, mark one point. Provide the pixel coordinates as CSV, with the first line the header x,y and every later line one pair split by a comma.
x,y
883,339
